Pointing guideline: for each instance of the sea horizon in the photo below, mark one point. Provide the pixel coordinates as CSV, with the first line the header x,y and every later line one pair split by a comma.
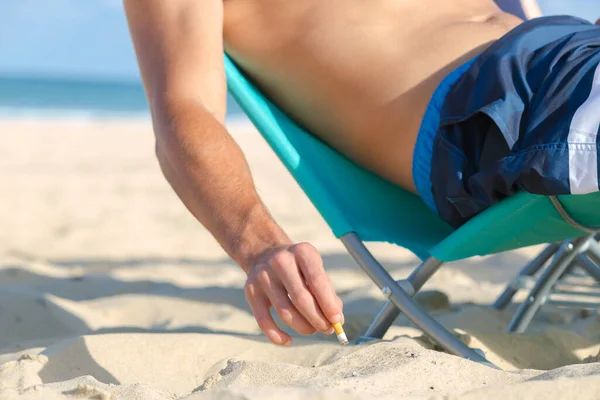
x,y
39,97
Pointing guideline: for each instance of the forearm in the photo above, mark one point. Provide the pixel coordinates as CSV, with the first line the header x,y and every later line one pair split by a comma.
x,y
209,173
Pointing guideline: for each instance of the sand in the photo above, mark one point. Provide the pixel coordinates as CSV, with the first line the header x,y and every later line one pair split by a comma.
x,y
109,289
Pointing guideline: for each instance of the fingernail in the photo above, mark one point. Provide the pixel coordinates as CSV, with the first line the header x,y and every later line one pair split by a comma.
x,y
330,331
288,342
336,318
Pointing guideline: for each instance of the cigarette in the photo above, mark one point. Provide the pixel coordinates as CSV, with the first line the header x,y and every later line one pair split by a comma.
x,y
339,332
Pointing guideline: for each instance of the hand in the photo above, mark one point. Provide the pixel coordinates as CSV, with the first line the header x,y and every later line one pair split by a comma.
x,y
292,280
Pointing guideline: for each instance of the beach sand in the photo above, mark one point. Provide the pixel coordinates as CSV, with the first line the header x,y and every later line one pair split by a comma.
x,y
109,289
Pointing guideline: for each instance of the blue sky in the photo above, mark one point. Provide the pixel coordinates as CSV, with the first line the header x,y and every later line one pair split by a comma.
x,y
89,38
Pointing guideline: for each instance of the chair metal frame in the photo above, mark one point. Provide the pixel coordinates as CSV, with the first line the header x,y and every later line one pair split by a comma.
x,y
582,252
399,295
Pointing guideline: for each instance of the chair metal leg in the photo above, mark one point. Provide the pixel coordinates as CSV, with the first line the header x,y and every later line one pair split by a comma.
x,y
539,294
405,303
423,272
388,313
587,262
571,268
575,304
382,322
589,266
593,252
529,270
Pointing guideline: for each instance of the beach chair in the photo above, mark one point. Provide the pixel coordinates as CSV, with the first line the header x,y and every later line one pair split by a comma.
x,y
361,207
542,287
584,264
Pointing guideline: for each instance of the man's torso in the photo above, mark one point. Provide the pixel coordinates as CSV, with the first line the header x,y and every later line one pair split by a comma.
x,y
359,74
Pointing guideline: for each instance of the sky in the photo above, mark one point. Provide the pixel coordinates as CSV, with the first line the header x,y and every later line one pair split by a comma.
x,y
88,39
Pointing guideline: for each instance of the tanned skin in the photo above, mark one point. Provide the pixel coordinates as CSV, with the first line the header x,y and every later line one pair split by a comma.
x,y
358,74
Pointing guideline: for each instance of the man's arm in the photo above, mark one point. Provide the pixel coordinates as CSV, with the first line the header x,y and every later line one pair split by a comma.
x,y
179,45
179,48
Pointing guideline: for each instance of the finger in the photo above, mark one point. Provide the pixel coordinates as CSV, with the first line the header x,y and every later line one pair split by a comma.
x,y
317,280
341,305
284,265
278,296
260,308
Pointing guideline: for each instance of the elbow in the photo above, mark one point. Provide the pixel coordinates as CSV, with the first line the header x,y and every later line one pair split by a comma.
x,y
174,107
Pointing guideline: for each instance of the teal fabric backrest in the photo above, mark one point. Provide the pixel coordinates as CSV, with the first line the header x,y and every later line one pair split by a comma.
x,y
349,198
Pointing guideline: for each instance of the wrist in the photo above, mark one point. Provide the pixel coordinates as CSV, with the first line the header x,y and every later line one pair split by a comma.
x,y
259,235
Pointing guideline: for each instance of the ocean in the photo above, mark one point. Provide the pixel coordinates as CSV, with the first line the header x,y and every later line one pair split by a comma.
x,y
58,98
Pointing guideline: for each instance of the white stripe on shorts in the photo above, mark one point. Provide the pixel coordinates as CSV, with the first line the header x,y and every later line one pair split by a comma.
x,y
583,132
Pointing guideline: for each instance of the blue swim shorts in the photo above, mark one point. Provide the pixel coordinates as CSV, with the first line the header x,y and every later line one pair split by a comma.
x,y
523,116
